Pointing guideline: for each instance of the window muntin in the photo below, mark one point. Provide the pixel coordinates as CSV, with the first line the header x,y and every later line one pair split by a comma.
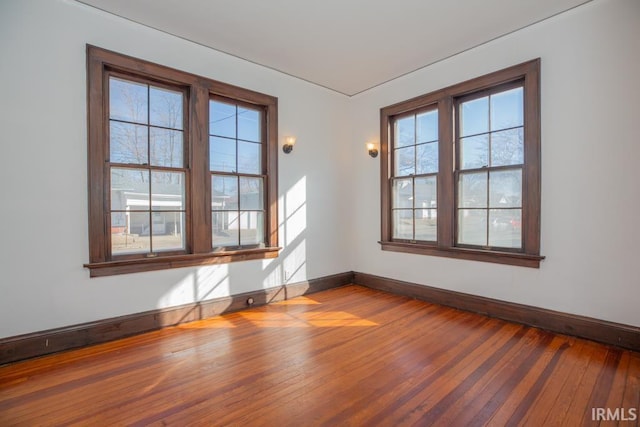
x,y
146,168
489,172
414,180
488,177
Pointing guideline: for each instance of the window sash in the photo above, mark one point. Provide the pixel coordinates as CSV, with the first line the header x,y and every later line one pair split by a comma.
x,y
486,168
127,212
238,136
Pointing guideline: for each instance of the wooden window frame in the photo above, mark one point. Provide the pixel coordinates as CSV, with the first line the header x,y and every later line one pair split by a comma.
x,y
199,90
445,101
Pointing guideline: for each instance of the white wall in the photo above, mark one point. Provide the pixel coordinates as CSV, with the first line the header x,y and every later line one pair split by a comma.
x,y
329,187
43,191
590,174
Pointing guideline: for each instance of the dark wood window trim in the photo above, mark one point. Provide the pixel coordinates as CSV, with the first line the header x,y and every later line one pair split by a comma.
x,y
198,90
445,99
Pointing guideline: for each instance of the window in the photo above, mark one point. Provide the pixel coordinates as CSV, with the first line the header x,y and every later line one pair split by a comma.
x,y
461,170
182,169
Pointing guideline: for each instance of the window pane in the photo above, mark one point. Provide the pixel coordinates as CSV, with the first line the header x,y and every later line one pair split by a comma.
x,y
166,108
251,194
167,191
474,117
426,193
168,231
119,223
506,109
249,160
166,147
505,189
251,228
403,193
472,190
405,131
249,124
128,143
405,159
222,119
427,161
127,101
426,224
129,189
123,240
472,227
225,229
403,224
507,147
127,236
505,229
474,152
222,154
427,126
225,192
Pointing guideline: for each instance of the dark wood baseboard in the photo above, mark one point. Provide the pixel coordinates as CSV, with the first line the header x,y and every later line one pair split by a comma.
x,y
35,344
13,349
617,334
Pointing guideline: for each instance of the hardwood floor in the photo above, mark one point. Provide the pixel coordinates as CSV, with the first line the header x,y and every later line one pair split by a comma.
x,y
347,356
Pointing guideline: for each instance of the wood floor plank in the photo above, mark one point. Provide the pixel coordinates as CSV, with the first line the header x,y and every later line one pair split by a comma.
x,y
346,356
352,373
481,404
493,371
631,397
271,363
355,368
456,377
579,404
552,405
618,384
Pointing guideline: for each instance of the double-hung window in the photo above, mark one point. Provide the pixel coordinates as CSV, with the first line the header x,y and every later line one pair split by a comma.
x,y
461,170
182,169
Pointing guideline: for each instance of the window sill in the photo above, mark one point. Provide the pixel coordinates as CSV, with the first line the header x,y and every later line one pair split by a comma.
x,y
111,268
509,258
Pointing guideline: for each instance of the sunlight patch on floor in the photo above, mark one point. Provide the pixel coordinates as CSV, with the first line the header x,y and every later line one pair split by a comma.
x,y
305,320
297,301
213,323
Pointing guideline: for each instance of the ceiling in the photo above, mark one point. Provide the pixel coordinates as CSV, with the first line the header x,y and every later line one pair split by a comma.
x,y
347,46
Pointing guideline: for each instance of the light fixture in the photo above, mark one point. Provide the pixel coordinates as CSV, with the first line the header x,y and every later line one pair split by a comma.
x,y
289,141
373,150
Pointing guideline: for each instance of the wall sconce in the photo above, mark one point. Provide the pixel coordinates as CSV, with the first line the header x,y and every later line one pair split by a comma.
x,y
289,142
373,150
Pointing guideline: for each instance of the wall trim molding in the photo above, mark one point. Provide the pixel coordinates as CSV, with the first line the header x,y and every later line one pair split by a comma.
x,y
21,347
602,331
